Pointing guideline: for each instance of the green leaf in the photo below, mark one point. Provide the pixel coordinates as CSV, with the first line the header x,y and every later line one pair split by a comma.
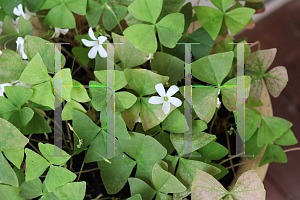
x,y
255,66
130,115
213,151
204,102
222,4
170,29
223,172
10,137
33,6
198,126
273,153
9,34
224,45
57,13
42,94
127,53
214,68
138,186
152,114
35,165
276,80
119,78
247,49
198,140
187,171
57,177
117,172
271,128
31,189
65,80
143,81
230,98
135,197
36,125
171,6
14,66
15,156
74,191
142,36
238,18
34,45
187,10
79,93
98,95
66,113
6,108
144,149
124,100
48,151
20,174
175,122
249,186
168,65
251,147
35,72
112,12
172,162
7,174
25,27
50,4
252,103
210,19
164,139
98,147
10,192
85,128
21,117
205,41
93,12
18,95
120,127
76,6
146,10
288,138
165,182
205,186
252,119
82,54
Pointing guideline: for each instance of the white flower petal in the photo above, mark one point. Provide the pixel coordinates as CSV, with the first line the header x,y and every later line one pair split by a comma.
x,y
26,16
0,52
102,39
102,51
166,107
24,56
91,34
93,52
219,91
17,12
64,31
139,119
218,103
20,7
156,100
89,43
175,101
160,89
54,35
172,90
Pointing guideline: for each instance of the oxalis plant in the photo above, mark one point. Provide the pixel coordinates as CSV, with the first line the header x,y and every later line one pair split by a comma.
x,y
124,84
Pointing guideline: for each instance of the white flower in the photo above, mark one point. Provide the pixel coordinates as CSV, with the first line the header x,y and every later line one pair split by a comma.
x,y
164,98
2,88
150,57
96,44
20,47
0,52
18,83
19,11
59,31
218,102
139,119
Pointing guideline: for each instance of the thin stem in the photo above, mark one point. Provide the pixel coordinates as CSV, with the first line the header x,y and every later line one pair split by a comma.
x,y
213,121
81,169
73,64
161,47
229,151
35,148
242,163
292,149
231,158
88,170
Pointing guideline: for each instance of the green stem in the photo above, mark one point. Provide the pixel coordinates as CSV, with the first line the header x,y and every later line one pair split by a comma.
x,y
213,121
81,169
230,158
161,47
109,8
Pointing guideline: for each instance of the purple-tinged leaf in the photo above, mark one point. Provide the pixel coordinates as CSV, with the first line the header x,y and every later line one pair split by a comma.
x,y
276,80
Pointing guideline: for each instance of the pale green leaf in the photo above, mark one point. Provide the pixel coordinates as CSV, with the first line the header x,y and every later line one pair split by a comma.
x,y
146,10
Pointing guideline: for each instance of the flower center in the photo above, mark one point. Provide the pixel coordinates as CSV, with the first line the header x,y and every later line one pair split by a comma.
x,y
166,99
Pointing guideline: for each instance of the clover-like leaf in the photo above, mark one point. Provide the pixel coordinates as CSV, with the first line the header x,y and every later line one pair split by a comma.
x,y
175,122
222,4
249,186
271,128
138,186
49,150
273,153
146,10
205,186
18,95
66,113
35,165
276,80
75,191
10,192
7,174
42,94
21,117
31,189
287,138
165,182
